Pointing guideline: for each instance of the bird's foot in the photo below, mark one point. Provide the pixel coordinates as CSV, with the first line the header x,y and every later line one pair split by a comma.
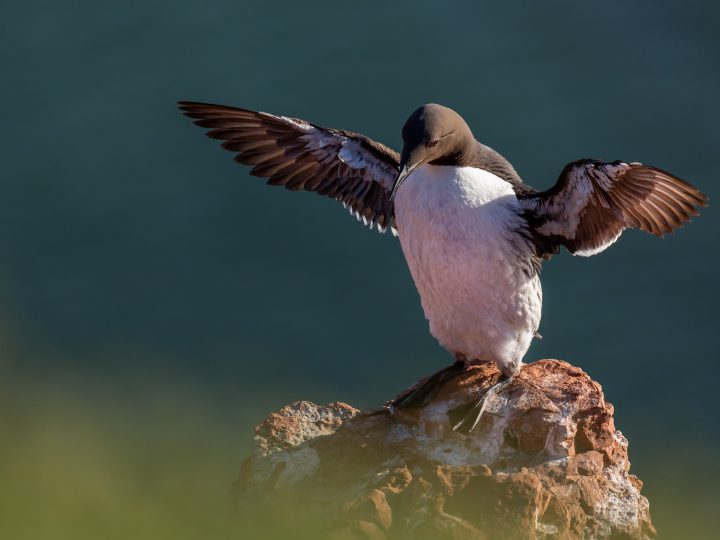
x,y
464,418
425,392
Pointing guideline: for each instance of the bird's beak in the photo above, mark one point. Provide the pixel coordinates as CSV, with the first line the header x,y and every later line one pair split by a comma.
x,y
404,173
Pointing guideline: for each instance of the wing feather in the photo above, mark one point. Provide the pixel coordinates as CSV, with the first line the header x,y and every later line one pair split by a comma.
x,y
289,152
593,202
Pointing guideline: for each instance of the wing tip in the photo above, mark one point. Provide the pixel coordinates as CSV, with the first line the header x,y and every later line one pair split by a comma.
x,y
199,107
700,199
704,200
185,105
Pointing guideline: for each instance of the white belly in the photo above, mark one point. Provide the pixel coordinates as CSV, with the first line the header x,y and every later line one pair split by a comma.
x,y
458,228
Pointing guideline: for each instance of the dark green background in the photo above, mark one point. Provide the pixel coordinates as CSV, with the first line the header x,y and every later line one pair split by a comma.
x,y
156,301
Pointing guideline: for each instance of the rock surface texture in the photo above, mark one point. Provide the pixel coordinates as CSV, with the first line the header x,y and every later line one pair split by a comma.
x,y
545,461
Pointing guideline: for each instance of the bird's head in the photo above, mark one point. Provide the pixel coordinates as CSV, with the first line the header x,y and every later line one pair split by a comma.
x,y
432,134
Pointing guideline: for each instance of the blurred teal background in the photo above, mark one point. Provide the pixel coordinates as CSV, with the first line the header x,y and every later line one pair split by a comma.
x,y
156,302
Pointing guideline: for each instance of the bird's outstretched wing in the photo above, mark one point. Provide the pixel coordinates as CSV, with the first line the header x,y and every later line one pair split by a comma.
x,y
349,167
593,202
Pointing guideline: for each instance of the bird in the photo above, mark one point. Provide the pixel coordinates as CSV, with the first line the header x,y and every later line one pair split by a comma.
x,y
473,234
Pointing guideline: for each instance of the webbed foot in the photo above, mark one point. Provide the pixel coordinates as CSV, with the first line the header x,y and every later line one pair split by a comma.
x,y
465,417
425,392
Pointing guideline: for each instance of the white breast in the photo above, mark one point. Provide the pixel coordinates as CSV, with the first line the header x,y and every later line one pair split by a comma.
x,y
461,232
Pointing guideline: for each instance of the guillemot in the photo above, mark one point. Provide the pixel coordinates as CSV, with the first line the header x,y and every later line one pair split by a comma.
x,y
473,234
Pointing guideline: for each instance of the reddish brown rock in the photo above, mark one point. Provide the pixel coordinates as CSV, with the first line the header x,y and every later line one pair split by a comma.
x,y
545,461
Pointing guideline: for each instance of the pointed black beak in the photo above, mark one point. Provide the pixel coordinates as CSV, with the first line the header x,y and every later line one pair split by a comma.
x,y
404,173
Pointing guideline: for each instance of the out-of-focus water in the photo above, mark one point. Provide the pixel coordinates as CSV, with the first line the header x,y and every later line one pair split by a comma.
x,y
156,301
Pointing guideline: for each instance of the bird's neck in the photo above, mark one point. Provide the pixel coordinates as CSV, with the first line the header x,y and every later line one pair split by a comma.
x,y
472,153
463,155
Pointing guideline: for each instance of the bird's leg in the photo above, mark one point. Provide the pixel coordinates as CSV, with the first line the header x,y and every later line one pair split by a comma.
x,y
425,392
464,418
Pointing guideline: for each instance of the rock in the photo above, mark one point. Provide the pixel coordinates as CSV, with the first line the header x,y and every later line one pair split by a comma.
x,y
545,461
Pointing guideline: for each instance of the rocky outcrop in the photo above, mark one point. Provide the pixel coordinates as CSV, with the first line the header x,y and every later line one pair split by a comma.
x,y
545,461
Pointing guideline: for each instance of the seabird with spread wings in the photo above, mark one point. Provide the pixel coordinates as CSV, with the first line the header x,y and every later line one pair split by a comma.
x,y
473,234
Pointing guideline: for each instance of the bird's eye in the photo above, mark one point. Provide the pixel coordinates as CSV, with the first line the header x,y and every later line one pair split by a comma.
x,y
433,144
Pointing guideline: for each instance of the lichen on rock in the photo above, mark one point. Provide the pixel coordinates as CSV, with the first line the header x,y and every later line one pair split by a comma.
x,y
545,461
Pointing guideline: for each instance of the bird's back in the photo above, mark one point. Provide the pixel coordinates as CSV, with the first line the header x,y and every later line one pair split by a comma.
x,y
492,161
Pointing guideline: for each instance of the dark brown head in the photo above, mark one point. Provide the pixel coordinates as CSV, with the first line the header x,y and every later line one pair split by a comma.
x,y
436,135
